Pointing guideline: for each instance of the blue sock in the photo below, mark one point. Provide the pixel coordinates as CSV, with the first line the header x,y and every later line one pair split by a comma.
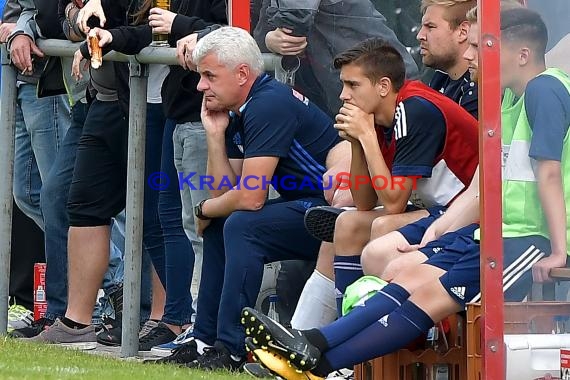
x,y
347,269
391,333
384,302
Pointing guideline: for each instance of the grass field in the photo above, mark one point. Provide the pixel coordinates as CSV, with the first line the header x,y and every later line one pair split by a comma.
x,y
19,360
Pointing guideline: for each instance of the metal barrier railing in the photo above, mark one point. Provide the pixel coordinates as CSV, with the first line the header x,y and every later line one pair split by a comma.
x,y
135,171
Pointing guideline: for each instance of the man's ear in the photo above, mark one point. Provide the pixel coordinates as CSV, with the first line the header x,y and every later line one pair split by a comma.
x,y
524,56
463,31
384,86
243,73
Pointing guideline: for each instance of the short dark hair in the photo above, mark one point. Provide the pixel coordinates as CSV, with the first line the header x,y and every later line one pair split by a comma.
x,y
377,58
525,25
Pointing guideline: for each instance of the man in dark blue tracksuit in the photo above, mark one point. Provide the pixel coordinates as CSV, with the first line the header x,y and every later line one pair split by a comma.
x,y
272,134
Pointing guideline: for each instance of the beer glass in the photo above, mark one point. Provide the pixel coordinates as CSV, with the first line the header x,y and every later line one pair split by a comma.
x,y
159,39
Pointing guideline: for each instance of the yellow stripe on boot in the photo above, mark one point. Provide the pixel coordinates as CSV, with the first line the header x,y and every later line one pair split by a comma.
x,y
279,366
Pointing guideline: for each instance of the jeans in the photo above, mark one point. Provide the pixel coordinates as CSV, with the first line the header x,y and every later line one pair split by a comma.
x,y
179,255
53,200
41,124
191,156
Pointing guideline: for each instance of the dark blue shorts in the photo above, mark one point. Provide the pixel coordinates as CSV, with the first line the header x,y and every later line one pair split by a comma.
x,y
519,255
458,253
414,232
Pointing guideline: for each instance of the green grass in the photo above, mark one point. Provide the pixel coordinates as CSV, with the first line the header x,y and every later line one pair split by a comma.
x,y
19,360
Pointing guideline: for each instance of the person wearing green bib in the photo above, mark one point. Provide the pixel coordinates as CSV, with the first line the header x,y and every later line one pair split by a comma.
x,y
445,276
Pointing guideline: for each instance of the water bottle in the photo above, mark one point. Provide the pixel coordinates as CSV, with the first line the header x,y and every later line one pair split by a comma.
x,y
272,313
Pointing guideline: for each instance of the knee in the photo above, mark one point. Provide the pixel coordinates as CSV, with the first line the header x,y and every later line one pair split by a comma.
x,y
373,260
52,197
379,227
21,197
347,226
237,224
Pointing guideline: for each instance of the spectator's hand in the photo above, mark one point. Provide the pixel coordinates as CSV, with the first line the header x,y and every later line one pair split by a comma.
x,y
201,226
541,270
161,20
92,8
6,28
184,48
353,123
21,51
79,65
105,38
215,122
281,41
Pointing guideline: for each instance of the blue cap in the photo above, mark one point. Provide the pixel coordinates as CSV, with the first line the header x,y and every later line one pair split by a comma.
x,y
273,298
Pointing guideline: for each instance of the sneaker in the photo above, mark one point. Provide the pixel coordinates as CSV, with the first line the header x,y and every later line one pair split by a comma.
x,y
341,374
34,329
19,317
147,326
320,222
277,364
159,335
167,348
116,301
110,333
183,355
270,335
217,357
60,334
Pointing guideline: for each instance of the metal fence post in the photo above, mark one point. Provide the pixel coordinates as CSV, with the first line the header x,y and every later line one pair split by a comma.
x,y
7,121
134,208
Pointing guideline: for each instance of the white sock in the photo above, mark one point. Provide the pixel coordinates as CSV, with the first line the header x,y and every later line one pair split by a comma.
x,y
201,345
317,304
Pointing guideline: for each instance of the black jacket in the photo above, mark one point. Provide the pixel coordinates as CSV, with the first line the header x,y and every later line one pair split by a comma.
x,y
117,14
180,98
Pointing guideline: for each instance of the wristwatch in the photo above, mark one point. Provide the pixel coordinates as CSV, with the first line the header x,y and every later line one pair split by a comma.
x,y
198,211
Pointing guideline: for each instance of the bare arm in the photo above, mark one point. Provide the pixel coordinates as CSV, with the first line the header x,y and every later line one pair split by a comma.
x,y
364,195
549,179
250,194
393,197
462,212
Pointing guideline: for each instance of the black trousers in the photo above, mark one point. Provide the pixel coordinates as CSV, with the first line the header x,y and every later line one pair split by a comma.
x,y
27,249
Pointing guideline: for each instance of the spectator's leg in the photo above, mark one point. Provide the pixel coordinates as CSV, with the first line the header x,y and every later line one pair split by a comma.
x,y
190,156
97,193
27,179
54,194
178,250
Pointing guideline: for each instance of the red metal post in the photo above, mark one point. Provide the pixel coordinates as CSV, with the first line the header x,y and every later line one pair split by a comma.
x,y
490,180
239,14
